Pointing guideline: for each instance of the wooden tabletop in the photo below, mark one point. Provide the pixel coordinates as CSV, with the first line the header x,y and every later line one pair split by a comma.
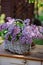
x,y
36,54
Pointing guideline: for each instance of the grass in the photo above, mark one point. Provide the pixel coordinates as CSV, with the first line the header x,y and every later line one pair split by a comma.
x,y
38,41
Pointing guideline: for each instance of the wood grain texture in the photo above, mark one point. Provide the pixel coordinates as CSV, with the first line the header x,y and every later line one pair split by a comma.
x,y
36,54
17,8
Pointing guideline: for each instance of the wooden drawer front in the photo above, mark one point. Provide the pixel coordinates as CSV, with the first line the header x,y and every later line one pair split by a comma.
x,y
29,62
12,61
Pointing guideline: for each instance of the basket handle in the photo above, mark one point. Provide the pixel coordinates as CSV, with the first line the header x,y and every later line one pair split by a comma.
x,y
20,20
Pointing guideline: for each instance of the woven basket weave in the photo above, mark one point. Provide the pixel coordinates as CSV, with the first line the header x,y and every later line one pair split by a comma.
x,y
17,47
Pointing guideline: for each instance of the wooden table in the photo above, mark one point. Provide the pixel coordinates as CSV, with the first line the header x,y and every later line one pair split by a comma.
x,y
34,58
36,53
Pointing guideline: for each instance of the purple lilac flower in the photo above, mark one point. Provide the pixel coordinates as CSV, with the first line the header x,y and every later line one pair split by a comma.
x,y
11,27
34,30
27,22
7,24
10,20
16,30
25,39
29,32
40,29
33,27
39,35
28,38
37,32
7,35
26,30
13,39
4,26
22,39
0,27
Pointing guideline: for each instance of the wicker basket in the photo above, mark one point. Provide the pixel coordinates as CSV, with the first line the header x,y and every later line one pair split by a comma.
x,y
17,47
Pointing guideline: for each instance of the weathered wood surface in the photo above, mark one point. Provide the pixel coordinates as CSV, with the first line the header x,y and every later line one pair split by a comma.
x,y
36,53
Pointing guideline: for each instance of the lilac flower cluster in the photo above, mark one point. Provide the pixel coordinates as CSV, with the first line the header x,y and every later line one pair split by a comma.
x,y
27,22
7,24
25,34
31,32
41,29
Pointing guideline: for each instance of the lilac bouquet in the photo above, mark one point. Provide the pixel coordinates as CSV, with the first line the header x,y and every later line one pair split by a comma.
x,y
4,26
20,35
